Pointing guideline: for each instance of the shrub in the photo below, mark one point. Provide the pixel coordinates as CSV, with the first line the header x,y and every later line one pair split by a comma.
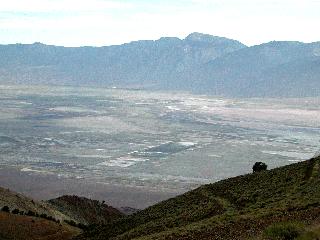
x,y
283,231
5,209
71,223
15,211
74,224
259,166
43,215
31,213
81,226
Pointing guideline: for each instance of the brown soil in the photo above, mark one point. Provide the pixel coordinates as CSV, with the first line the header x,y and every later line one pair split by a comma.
x,y
30,228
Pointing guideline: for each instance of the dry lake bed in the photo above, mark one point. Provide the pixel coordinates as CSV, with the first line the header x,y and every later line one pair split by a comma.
x,y
156,141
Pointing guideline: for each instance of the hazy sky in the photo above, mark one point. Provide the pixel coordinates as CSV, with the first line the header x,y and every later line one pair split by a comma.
x,y
106,22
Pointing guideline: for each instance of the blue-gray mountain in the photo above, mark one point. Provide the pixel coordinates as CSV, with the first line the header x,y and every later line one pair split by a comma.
x,y
199,63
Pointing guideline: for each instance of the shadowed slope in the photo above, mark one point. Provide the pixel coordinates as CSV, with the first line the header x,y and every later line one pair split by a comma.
x,y
84,210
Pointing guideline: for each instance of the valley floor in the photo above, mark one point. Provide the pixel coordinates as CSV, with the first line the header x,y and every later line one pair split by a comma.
x,y
43,187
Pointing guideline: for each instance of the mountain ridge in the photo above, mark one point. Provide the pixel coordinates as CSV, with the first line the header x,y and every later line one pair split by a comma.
x,y
64,208
199,63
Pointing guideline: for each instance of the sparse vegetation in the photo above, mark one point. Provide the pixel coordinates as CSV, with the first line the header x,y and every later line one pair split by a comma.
x,y
31,214
236,208
22,227
74,224
277,204
284,231
92,211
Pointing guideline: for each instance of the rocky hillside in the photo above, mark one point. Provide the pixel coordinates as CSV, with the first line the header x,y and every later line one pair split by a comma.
x,y
61,218
282,203
84,210
24,204
266,205
65,208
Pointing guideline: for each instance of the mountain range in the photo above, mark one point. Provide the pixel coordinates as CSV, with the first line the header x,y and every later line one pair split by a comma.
x,y
200,63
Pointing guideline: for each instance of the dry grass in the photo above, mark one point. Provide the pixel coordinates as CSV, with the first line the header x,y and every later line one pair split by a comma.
x,y
30,228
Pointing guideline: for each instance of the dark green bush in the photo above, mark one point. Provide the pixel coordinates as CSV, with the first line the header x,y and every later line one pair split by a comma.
x,y
15,211
31,213
43,215
5,209
259,166
74,224
71,223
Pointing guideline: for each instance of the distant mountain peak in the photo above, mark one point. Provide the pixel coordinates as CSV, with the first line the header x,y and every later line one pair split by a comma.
x,y
210,39
201,37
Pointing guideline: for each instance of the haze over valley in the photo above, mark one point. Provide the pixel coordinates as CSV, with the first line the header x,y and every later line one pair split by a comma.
x,y
166,142
159,120
165,116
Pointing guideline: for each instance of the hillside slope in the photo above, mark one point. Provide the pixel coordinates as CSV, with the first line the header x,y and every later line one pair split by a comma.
x,y
18,201
23,218
235,208
17,227
84,210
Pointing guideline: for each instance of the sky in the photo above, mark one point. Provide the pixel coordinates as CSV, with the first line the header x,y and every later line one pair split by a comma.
x,y
111,22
